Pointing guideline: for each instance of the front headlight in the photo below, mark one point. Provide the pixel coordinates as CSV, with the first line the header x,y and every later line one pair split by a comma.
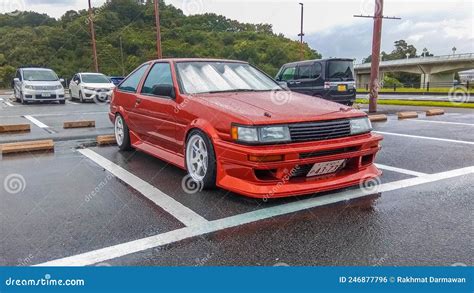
x,y
58,87
29,87
360,125
261,134
89,88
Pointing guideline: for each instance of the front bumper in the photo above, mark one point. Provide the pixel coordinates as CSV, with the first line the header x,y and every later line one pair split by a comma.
x,y
43,95
285,178
100,95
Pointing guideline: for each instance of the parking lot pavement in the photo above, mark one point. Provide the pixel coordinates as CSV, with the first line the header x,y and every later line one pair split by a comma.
x,y
95,205
46,120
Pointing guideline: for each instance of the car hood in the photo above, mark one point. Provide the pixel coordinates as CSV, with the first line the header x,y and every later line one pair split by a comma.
x,y
41,82
279,107
99,85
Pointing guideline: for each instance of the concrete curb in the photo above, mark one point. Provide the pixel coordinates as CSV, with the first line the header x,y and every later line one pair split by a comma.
x,y
27,146
407,115
79,124
9,128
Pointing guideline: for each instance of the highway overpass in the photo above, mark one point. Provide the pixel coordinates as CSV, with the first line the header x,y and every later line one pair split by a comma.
x,y
434,69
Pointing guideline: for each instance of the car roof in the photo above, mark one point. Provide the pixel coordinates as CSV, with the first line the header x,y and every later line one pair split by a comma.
x,y
91,73
36,68
198,60
319,60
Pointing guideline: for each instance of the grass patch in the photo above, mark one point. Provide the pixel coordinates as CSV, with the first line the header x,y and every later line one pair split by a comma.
x,y
418,103
415,90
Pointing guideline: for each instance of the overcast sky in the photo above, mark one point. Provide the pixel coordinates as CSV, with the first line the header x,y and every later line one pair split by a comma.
x,y
329,25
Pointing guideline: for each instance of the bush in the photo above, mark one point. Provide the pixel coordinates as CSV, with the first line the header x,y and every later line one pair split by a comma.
x,y
391,82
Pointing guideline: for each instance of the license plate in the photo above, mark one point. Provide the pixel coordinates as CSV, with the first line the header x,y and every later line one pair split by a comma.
x,y
46,95
341,88
325,168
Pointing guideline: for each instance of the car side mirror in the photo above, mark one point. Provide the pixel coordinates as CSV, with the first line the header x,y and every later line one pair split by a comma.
x,y
283,84
165,90
16,79
61,80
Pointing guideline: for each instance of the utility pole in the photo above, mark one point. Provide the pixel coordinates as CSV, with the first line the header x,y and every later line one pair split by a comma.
x,y
158,34
121,55
375,62
301,34
91,26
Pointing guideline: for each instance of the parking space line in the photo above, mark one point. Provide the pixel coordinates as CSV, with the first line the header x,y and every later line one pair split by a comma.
x,y
36,121
8,103
182,213
426,137
119,250
442,122
400,170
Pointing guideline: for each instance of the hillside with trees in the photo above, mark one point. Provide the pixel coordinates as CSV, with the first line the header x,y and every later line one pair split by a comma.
x,y
29,38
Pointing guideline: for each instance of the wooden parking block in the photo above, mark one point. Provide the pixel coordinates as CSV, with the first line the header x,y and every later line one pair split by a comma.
x,y
7,128
407,115
27,146
433,112
106,139
79,124
378,118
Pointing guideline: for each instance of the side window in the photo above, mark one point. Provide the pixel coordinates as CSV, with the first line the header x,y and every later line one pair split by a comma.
x,y
288,73
305,72
317,69
160,73
130,84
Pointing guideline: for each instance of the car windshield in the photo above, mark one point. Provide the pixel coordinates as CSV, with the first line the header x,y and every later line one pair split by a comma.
x,y
213,77
39,75
341,70
94,78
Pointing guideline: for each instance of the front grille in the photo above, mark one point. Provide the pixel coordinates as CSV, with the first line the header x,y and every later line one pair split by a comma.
x,y
319,130
44,87
40,97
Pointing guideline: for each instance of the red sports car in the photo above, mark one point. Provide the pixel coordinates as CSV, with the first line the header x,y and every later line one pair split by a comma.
x,y
231,125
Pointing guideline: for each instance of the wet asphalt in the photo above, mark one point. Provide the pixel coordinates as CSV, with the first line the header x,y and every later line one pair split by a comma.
x,y
69,205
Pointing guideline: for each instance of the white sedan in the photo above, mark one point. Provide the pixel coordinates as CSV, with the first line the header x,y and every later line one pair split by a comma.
x,y
90,86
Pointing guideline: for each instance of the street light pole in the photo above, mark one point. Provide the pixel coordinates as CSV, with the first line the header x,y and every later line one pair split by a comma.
x,y
158,34
301,34
91,27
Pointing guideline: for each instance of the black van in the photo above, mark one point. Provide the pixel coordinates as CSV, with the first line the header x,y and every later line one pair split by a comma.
x,y
331,79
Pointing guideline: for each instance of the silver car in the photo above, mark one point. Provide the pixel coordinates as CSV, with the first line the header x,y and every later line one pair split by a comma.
x,y
37,85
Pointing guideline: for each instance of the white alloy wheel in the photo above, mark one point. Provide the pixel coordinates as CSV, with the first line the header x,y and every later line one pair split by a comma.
x,y
119,131
197,157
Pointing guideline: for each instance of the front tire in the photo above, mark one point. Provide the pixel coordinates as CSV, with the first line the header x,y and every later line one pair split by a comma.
x,y
81,97
122,133
201,159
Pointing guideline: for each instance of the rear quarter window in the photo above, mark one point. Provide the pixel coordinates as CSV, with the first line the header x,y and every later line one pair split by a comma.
x,y
130,84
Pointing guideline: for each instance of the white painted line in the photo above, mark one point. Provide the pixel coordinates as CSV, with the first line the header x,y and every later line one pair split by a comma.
x,y
426,137
399,170
441,122
182,213
70,102
119,250
35,121
8,103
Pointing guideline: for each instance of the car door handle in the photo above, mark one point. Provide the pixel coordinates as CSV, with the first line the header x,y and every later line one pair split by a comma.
x,y
138,101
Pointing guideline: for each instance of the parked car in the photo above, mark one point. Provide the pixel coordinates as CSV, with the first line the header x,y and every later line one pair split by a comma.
x,y
330,79
116,79
35,84
218,120
86,86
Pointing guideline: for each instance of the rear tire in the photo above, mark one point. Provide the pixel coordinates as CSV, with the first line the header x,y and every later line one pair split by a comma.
x,y
62,102
122,133
200,159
